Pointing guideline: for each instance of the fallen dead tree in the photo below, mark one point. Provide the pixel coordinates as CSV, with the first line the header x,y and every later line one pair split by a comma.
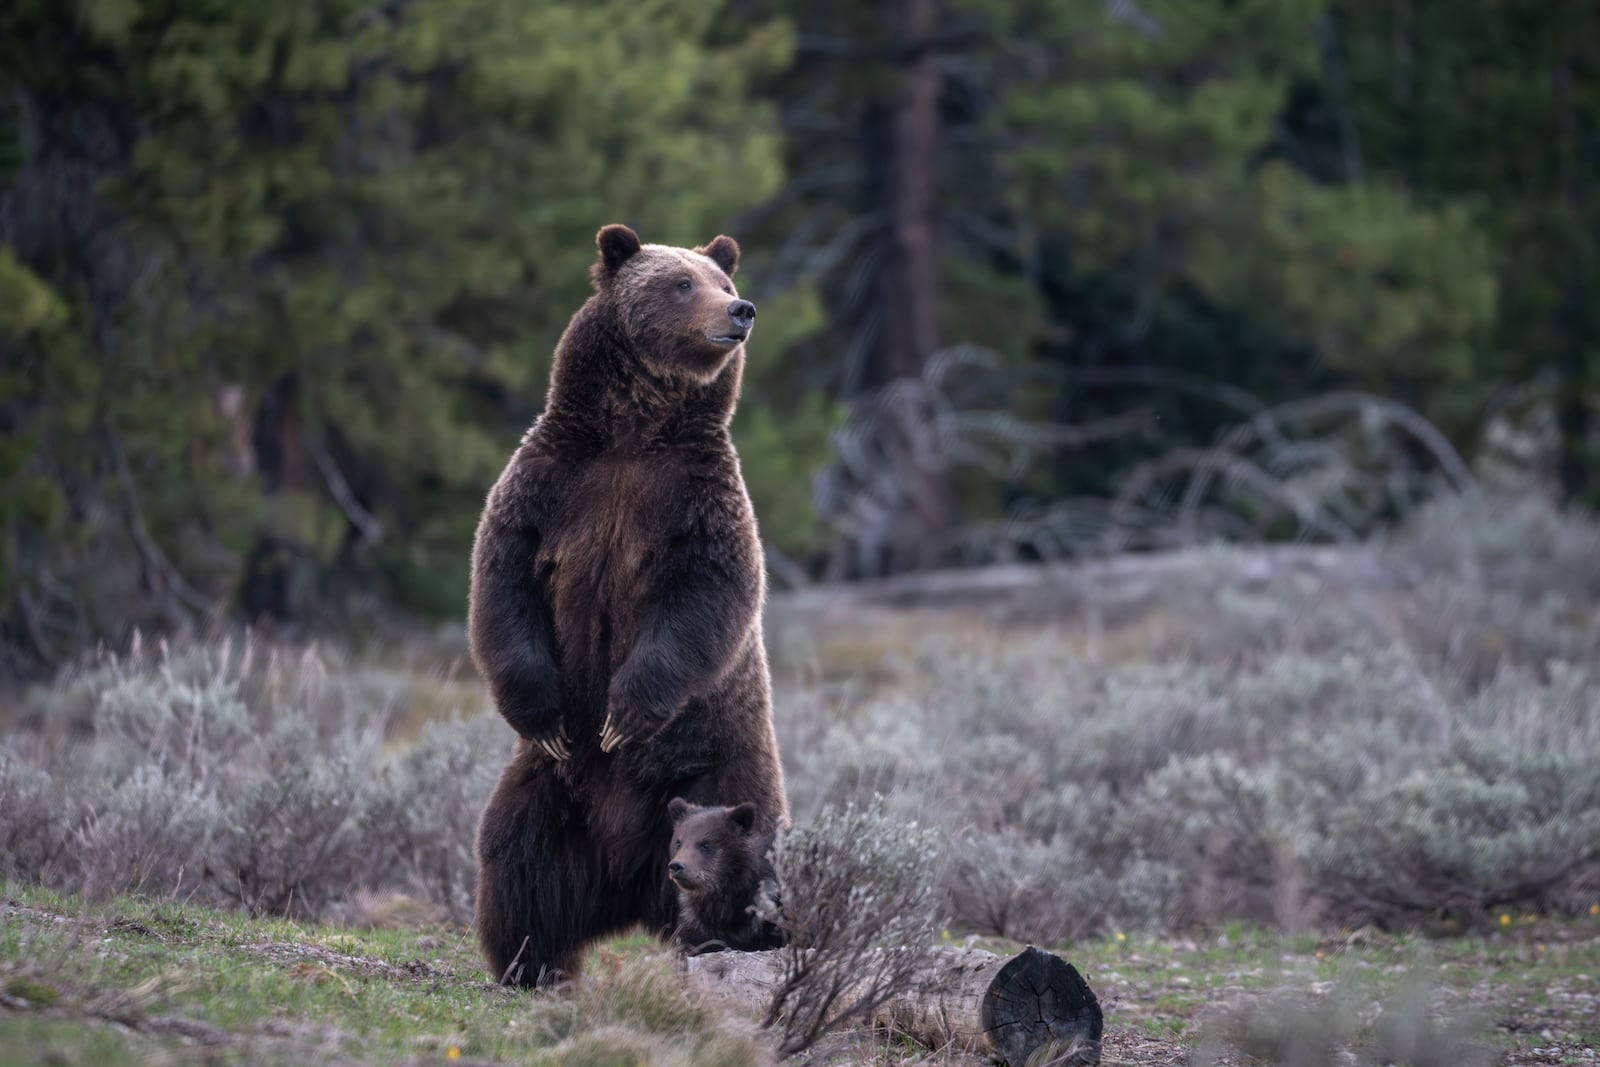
x,y
1007,1008
1131,579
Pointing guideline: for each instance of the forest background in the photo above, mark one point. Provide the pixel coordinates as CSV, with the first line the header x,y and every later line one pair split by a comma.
x,y
279,281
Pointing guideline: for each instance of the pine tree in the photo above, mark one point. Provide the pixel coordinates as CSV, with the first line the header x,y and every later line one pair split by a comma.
x,y
313,258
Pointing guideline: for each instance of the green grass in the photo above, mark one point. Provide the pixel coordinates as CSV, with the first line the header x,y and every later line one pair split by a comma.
x,y
26,1040
158,981
137,981
1532,986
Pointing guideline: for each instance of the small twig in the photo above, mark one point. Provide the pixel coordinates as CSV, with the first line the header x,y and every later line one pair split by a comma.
x,y
160,572
514,969
366,524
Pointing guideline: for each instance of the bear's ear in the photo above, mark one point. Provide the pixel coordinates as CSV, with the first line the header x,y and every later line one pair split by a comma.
x,y
678,808
744,817
617,245
724,252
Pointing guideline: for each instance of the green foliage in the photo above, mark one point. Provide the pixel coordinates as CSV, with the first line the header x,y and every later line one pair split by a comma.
x,y
278,283
26,303
334,270
1398,297
29,310
1151,156
783,429
778,452
1497,107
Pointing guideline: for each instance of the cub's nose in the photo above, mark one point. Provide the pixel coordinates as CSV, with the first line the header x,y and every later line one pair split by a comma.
x,y
743,313
675,867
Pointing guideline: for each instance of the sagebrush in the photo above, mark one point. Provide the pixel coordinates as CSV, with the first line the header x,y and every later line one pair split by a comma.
x,y
234,774
1419,746
857,906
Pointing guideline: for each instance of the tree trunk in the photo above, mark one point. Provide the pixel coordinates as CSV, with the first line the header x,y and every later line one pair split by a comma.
x,y
1577,307
897,317
968,998
909,283
266,591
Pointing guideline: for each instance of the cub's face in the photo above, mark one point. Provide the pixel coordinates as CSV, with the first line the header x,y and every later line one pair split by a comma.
x,y
710,846
677,305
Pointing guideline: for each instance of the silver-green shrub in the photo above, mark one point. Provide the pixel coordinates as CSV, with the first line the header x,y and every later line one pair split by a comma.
x,y
36,823
246,776
857,904
1420,740
1278,751
422,811
1482,829
150,832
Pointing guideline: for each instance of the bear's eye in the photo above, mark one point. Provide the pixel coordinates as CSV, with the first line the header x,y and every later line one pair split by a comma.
x,y
705,846
677,843
728,289
685,284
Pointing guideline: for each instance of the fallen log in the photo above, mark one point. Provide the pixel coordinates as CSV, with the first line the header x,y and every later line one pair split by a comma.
x,y
980,1002
1121,581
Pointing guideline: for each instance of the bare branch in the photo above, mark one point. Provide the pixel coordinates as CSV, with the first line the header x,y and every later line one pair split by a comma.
x,y
366,524
161,576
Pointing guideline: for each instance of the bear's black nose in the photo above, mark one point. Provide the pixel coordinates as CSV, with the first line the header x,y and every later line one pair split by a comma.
x,y
743,313
675,867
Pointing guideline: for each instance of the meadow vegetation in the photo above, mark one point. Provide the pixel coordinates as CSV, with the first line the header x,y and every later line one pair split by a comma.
x,y
1282,785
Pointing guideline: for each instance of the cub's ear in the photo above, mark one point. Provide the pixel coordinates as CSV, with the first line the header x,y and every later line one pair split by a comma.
x,y
743,817
617,245
678,808
724,251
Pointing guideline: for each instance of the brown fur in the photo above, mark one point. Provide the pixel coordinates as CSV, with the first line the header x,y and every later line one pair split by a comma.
x,y
720,867
617,584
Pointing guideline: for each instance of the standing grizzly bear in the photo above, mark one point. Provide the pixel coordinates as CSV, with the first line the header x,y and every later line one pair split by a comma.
x,y
617,586
720,866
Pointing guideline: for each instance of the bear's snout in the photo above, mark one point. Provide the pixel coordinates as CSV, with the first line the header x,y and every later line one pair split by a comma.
x,y
743,314
686,880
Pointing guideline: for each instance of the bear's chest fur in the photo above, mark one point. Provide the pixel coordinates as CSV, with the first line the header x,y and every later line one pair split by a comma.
x,y
604,523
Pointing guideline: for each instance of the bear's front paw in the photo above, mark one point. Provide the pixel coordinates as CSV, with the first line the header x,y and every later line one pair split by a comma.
x,y
550,739
556,745
630,724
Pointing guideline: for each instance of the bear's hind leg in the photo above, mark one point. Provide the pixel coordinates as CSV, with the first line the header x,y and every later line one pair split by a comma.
x,y
540,897
518,947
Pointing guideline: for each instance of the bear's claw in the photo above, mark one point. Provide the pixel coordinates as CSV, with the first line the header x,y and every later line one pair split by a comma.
x,y
555,747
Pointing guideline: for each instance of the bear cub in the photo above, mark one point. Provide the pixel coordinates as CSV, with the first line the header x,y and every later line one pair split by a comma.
x,y
720,868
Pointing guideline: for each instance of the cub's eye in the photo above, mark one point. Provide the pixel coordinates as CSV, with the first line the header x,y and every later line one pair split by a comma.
x,y
728,289
705,847
677,843
685,285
